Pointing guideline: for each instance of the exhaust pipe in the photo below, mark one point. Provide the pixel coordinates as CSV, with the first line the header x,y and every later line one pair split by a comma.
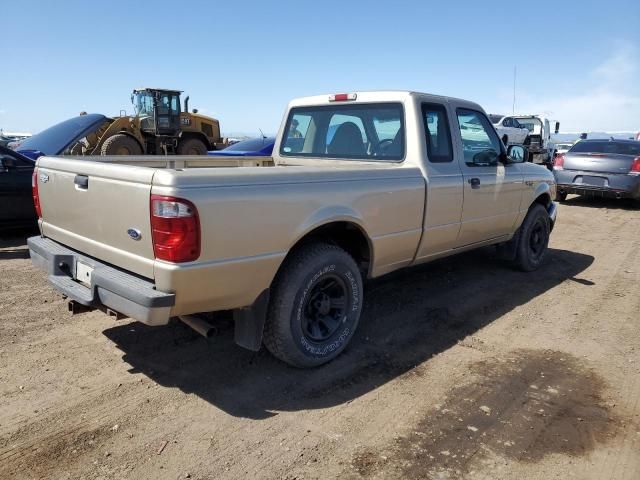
x,y
201,326
186,104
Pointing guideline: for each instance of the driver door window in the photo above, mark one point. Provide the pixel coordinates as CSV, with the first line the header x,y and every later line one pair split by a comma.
x,y
480,143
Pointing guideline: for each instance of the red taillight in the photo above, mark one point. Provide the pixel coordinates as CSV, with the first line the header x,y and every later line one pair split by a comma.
x,y
175,229
342,97
558,162
34,192
635,167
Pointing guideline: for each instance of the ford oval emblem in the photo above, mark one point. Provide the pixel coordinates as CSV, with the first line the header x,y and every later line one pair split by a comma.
x,y
134,233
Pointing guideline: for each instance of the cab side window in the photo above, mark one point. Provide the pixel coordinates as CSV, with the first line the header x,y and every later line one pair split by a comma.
x,y
480,142
436,129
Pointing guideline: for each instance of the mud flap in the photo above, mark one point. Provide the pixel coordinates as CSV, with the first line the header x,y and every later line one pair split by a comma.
x,y
508,250
249,322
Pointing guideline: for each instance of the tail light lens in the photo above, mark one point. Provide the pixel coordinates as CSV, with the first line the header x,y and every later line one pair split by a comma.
x,y
635,167
34,192
558,162
175,229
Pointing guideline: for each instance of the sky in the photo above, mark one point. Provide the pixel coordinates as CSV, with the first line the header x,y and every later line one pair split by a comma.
x,y
241,62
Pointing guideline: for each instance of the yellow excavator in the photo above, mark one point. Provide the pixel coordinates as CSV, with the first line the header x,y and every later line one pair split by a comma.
x,y
159,127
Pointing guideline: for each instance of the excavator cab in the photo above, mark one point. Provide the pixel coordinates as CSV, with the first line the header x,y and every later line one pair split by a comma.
x,y
158,110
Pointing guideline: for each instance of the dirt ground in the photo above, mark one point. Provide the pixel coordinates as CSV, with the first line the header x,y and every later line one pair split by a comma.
x,y
463,368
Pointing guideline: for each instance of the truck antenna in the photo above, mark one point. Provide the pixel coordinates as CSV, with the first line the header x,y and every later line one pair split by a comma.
x,y
514,90
262,133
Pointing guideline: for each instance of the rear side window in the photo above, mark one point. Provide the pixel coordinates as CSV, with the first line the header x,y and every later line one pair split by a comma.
x,y
436,129
373,132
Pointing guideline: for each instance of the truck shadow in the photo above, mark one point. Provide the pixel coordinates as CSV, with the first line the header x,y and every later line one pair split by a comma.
x,y
409,316
13,242
601,202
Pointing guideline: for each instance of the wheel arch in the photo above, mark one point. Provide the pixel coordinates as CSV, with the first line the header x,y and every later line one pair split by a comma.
x,y
345,232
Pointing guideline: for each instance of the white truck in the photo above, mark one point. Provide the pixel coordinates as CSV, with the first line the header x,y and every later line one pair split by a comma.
x,y
541,146
509,130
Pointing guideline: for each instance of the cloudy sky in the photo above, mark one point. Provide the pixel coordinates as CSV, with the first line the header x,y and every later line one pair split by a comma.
x,y
243,61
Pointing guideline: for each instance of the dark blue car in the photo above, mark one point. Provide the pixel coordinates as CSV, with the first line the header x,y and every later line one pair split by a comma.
x,y
254,147
55,140
16,196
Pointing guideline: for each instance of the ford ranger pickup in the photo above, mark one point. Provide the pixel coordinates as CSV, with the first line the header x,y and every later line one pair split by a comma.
x,y
359,185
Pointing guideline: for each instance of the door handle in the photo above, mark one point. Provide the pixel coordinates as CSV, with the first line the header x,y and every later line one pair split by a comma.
x,y
81,181
474,182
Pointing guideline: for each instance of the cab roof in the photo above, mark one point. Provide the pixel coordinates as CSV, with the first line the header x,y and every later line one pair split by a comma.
x,y
380,96
168,90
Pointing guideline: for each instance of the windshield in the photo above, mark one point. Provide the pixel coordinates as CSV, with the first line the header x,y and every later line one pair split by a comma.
x,y
606,146
531,124
350,131
251,145
143,104
54,140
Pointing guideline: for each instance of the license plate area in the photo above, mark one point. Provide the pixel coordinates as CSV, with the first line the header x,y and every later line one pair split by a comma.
x,y
83,273
594,181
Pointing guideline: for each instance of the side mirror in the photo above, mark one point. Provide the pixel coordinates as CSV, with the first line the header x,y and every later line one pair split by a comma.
x,y
517,154
8,162
557,127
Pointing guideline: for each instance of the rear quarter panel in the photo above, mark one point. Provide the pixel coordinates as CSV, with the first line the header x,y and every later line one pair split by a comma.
x,y
251,220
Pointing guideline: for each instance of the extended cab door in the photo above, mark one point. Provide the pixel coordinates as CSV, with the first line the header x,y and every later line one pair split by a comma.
x,y
444,182
492,190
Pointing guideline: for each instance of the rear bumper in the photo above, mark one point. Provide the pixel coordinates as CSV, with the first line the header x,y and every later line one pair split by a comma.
x,y
618,186
108,287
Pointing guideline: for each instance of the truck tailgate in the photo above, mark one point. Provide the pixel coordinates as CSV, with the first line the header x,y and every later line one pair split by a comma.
x,y
99,209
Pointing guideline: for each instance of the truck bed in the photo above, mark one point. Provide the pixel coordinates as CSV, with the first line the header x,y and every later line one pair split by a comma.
x,y
249,217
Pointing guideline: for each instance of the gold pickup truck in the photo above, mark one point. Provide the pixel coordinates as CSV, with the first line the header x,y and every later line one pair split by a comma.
x,y
359,185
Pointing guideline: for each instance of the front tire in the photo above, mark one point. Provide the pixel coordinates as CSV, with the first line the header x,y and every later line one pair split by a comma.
x,y
315,306
192,146
121,144
533,239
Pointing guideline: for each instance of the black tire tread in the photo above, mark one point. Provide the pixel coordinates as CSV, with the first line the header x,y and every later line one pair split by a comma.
x,y
273,337
120,137
184,145
522,260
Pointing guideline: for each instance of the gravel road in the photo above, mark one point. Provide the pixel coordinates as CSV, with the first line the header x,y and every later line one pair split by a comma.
x,y
463,368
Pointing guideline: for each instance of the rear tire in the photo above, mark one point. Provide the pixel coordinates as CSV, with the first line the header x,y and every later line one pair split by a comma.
x,y
561,196
121,144
533,239
315,306
192,146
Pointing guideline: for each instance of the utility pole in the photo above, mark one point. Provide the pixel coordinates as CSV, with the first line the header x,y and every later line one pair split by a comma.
x,y
514,91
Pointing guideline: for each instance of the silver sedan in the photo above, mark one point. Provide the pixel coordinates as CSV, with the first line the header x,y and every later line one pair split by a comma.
x,y
609,168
